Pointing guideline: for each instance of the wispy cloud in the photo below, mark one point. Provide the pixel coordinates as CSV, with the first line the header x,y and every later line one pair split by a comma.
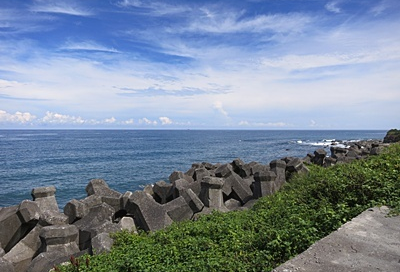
x,y
87,46
234,22
61,7
153,8
157,91
333,7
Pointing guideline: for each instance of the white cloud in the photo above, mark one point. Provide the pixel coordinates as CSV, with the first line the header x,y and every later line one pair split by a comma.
x,y
261,124
57,118
18,117
146,121
88,46
231,22
153,8
50,6
111,120
332,7
129,122
219,108
165,121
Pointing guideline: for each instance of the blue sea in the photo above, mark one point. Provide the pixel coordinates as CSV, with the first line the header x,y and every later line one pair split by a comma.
x,y
130,159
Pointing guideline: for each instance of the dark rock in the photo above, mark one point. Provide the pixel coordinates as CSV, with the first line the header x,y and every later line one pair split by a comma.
x,y
337,151
319,158
392,136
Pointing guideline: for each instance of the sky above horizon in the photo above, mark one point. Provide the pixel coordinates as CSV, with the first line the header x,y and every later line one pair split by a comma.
x,y
248,64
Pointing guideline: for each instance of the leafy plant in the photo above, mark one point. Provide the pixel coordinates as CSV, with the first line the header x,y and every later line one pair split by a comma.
x,y
277,228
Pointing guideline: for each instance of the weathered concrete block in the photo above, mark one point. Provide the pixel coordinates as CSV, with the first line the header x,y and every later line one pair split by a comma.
x,y
2,252
127,223
100,187
45,261
124,199
6,266
240,168
163,191
193,200
49,218
45,198
329,161
264,183
101,243
279,168
179,186
21,255
240,190
180,175
28,211
211,192
233,204
178,209
75,210
92,201
296,166
199,173
11,227
60,236
96,216
149,215
223,171
257,167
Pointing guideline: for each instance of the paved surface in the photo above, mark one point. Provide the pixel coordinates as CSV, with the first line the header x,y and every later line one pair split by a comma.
x,y
370,242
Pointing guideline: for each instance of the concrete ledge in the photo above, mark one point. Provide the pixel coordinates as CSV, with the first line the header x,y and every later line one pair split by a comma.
x,y
369,242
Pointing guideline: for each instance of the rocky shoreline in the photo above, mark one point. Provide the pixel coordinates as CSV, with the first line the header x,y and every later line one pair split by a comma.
x,y
35,235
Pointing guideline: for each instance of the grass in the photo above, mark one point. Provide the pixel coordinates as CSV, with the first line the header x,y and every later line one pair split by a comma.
x,y
278,227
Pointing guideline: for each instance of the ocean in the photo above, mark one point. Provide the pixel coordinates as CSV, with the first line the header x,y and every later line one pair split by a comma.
x,y
128,160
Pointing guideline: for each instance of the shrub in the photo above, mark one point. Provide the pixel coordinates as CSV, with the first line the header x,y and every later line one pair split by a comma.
x,y
277,228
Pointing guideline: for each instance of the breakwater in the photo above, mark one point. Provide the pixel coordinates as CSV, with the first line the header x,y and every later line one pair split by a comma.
x,y
35,235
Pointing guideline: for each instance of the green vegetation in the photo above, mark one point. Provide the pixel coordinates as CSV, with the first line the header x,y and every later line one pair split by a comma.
x,y
276,229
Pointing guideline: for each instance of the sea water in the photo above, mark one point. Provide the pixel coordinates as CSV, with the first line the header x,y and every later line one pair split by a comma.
x,y
128,160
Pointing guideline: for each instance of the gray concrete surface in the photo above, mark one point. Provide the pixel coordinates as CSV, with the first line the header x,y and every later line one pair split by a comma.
x,y
369,242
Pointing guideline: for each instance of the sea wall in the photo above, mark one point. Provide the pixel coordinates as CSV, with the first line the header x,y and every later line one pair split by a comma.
x,y
35,235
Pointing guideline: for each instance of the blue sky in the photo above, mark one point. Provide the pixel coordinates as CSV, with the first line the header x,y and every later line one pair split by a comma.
x,y
255,64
